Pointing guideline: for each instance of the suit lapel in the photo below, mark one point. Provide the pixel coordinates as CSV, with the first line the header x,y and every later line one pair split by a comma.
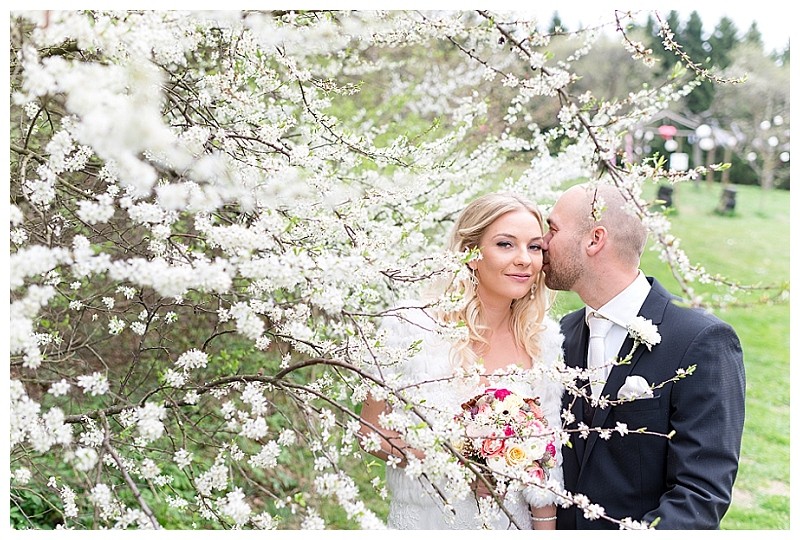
x,y
576,345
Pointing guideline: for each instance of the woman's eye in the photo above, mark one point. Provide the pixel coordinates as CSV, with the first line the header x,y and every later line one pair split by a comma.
x,y
535,247
504,244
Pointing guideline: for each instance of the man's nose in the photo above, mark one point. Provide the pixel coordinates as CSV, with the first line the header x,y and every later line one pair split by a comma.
x,y
546,241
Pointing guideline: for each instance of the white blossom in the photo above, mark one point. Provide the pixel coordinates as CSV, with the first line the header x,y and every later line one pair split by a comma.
x,y
95,384
263,521
175,378
254,428
149,470
312,521
18,236
234,506
267,456
149,421
68,499
215,477
138,328
84,459
59,388
183,458
247,322
192,359
177,502
22,475
115,326
287,437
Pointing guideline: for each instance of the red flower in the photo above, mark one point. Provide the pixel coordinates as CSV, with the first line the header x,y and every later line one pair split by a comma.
x,y
501,393
551,449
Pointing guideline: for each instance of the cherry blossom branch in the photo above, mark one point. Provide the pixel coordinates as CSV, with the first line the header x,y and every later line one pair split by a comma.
x,y
128,480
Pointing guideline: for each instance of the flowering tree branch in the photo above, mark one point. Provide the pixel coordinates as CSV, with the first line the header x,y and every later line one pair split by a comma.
x,y
211,215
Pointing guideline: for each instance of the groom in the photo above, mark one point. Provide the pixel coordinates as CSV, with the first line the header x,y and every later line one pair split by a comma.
x,y
681,482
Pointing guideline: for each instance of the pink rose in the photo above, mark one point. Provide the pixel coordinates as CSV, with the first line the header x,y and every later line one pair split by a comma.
x,y
492,446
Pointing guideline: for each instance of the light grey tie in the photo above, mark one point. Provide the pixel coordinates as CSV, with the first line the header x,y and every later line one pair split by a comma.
x,y
597,361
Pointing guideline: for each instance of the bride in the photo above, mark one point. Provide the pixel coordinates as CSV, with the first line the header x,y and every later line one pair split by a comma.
x,y
511,342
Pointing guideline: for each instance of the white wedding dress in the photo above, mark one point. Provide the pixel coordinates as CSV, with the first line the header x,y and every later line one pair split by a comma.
x,y
429,380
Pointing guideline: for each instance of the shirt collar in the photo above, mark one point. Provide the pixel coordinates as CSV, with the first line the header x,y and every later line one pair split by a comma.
x,y
626,305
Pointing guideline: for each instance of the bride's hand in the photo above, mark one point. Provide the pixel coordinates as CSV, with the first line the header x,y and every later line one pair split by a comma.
x,y
481,489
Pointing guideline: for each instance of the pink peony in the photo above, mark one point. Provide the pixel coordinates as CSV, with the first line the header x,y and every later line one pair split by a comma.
x,y
536,472
501,393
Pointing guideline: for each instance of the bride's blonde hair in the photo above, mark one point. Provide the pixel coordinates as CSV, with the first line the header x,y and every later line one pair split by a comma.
x,y
527,312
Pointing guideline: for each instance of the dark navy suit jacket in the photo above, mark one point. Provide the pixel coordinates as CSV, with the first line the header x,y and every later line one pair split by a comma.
x,y
685,481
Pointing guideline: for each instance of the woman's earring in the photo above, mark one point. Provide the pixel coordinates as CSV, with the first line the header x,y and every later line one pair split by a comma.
x,y
473,278
533,290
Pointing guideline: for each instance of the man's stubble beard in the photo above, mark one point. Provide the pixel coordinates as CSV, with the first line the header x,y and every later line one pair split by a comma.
x,y
562,277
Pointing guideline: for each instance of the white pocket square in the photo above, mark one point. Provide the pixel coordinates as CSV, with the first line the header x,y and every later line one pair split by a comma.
x,y
635,387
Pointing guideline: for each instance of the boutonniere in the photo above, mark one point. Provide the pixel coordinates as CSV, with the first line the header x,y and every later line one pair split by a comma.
x,y
643,331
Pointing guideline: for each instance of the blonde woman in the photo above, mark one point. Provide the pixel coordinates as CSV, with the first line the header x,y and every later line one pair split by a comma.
x,y
509,333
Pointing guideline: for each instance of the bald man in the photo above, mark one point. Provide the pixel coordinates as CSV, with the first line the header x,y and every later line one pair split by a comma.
x,y
593,247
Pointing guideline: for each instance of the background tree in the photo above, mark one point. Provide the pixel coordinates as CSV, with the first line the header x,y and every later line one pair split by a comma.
x,y
556,24
694,43
756,149
753,35
758,116
722,41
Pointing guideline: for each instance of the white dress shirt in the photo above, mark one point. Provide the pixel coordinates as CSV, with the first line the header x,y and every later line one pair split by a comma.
x,y
621,310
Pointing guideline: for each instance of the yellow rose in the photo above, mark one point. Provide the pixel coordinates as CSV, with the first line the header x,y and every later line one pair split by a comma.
x,y
515,454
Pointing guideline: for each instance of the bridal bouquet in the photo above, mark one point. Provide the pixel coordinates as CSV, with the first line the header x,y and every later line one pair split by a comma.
x,y
508,434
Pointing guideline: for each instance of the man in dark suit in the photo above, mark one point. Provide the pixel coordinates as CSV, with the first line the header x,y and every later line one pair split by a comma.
x,y
681,481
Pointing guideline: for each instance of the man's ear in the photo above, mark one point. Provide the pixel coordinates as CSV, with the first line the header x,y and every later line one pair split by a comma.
x,y
597,239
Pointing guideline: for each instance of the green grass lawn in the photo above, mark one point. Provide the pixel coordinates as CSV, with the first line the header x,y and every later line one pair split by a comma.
x,y
751,246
